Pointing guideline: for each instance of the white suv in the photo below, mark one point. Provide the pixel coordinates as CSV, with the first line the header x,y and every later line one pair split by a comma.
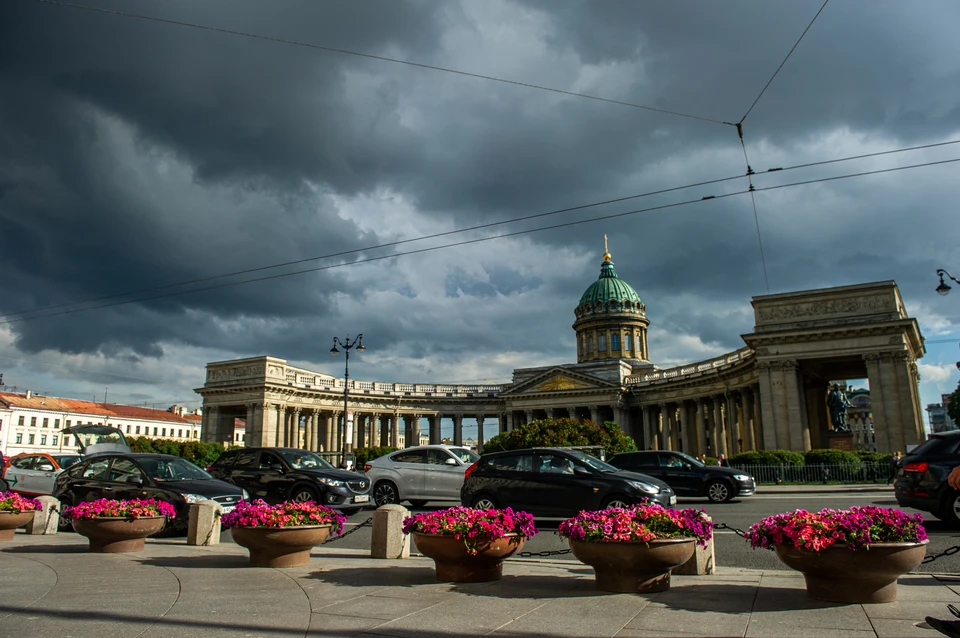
x,y
420,474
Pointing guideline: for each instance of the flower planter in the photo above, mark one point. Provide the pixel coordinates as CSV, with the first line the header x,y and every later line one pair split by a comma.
x,y
112,535
634,567
840,575
455,563
9,522
280,546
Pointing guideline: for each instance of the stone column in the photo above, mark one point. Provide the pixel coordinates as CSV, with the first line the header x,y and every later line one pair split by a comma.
x,y
715,428
663,428
688,428
798,423
458,429
338,417
414,430
733,425
395,430
502,423
384,430
702,413
595,413
435,429
308,430
766,399
479,433
673,429
529,415
746,433
549,412
249,423
510,424
758,431
649,430
328,429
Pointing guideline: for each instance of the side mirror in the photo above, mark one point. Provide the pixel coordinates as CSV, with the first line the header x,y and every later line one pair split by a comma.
x,y
687,466
276,467
46,467
135,480
580,471
451,462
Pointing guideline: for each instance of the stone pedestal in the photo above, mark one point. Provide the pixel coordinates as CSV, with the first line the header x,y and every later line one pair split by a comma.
x,y
45,520
840,441
203,526
388,540
703,562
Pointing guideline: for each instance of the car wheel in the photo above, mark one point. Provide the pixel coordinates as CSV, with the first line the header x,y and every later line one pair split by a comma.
x,y
418,504
719,492
64,525
615,501
304,493
385,493
950,509
484,502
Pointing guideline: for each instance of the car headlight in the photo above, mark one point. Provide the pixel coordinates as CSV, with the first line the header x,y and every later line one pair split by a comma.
x,y
742,477
331,482
645,487
194,498
245,495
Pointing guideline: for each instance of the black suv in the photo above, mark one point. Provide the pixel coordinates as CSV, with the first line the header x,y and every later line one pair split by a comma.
x,y
688,476
556,482
921,478
287,474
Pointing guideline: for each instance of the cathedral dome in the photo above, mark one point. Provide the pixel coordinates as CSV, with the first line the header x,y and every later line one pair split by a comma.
x,y
609,287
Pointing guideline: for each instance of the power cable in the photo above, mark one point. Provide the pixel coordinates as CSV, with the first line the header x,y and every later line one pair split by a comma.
x,y
381,58
480,227
484,239
789,53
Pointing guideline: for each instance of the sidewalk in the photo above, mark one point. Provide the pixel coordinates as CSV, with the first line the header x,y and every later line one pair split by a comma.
x,y
817,488
50,586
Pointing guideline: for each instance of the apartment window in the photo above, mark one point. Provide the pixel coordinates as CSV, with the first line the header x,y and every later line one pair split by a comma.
x,y
602,343
138,429
128,429
43,439
628,341
20,422
56,423
615,342
69,422
31,438
155,431
46,422
54,440
1,424
164,431
19,437
180,433
33,422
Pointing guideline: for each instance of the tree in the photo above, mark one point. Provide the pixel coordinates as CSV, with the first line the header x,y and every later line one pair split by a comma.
x,y
563,433
953,406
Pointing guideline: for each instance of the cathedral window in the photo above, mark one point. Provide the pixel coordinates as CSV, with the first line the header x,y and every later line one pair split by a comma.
x,y
628,341
602,343
615,342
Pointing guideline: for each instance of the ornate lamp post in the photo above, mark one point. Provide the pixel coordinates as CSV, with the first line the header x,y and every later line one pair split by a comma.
x,y
944,288
347,345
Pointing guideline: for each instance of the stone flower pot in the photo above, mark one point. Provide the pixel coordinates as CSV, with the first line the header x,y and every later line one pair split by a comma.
x,y
840,575
454,563
280,546
634,567
111,535
9,522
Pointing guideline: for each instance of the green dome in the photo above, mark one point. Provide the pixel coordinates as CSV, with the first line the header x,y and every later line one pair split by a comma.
x,y
609,288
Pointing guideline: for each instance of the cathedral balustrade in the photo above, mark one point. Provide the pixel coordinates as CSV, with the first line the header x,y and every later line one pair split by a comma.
x,y
691,369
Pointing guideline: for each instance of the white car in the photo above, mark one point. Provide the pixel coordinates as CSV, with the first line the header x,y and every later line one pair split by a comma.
x,y
420,474
35,474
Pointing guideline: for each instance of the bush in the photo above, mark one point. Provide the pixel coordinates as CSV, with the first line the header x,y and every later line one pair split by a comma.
x,y
866,456
832,457
363,455
563,433
768,457
202,454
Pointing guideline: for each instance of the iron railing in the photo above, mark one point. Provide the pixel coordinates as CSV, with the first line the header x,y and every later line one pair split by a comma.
x,y
820,473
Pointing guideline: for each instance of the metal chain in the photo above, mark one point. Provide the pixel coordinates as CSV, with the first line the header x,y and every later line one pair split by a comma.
x,y
738,532
950,551
556,552
345,534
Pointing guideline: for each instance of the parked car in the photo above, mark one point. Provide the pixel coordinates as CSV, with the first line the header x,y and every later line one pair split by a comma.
x,y
688,476
97,439
161,476
921,477
289,474
556,482
36,474
420,474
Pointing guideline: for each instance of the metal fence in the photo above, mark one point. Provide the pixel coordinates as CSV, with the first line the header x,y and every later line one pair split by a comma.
x,y
826,473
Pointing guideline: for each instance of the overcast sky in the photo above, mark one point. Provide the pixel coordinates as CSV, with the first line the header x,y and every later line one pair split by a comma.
x,y
137,154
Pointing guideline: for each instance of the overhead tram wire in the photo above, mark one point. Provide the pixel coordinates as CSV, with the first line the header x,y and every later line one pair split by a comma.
x,y
479,227
485,239
381,58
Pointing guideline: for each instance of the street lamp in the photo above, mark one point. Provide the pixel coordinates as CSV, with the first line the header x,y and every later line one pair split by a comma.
x,y
347,345
943,288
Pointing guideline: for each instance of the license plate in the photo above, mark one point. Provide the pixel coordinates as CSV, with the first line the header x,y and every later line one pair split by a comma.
x,y
226,509
361,499
673,500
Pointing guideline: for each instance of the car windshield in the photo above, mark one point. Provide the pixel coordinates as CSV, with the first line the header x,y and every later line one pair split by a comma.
x,y
592,461
465,455
936,445
689,459
172,470
303,460
66,461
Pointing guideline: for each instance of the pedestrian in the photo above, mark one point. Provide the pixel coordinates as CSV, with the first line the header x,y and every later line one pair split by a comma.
x,y
722,461
894,464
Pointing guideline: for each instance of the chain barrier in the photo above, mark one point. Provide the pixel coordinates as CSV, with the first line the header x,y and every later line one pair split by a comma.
x,y
950,551
735,530
369,521
556,552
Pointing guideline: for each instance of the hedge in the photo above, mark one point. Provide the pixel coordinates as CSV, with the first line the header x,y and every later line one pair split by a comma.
x,y
767,457
562,433
810,457
202,454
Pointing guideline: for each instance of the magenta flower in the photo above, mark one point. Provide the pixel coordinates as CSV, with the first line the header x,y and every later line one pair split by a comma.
x,y
288,514
112,508
857,528
471,525
637,524
16,504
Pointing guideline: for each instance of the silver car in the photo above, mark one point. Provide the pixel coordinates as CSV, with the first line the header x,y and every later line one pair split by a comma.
x,y
420,474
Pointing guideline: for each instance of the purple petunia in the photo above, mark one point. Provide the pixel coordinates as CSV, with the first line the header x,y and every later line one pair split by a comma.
x,y
289,514
472,525
856,528
637,524
112,508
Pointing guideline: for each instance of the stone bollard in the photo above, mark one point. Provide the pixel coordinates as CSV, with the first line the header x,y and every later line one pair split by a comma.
x,y
46,520
388,539
703,561
203,526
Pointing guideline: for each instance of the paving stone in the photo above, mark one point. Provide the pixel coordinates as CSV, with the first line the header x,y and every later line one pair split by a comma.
x,y
909,610
668,619
896,628
579,616
850,617
460,615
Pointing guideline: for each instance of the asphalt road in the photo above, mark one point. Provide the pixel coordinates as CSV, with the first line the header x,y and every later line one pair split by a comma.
x,y
731,550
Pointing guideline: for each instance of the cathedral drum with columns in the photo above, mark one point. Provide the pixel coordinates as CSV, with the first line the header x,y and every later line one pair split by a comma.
x,y
769,394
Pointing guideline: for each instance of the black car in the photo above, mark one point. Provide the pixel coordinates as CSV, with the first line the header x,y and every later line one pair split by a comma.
x,y
280,474
688,476
161,476
556,482
921,478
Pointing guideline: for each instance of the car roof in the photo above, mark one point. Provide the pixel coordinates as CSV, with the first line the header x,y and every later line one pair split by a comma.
x,y
532,449
138,455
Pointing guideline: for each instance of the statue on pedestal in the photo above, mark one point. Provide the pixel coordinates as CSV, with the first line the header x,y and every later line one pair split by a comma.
x,y
838,403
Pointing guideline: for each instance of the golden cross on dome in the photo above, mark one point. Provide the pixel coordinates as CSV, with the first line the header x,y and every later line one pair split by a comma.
x,y
606,250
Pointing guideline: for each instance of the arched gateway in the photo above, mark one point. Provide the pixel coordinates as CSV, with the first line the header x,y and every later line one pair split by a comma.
x,y
770,394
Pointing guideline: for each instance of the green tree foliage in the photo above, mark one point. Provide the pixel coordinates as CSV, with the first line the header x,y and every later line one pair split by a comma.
x,y
365,454
953,406
832,457
202,454
563,433
876,458
767,457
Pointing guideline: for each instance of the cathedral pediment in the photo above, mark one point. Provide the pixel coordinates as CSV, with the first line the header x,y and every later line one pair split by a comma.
x,y
559,380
